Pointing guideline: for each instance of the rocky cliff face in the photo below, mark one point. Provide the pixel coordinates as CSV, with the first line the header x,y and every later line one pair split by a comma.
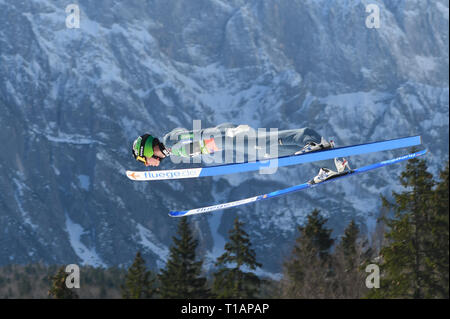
x,y
72,101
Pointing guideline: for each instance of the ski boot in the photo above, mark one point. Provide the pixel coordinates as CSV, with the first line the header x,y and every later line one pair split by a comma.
x,y
313,146
324,174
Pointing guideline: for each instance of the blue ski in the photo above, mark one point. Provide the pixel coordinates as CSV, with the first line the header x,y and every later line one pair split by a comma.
x,y
274,162
292,189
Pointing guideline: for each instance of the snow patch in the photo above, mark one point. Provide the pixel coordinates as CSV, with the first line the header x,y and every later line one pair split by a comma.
x,y
56,170
218,240
443,9
426,63
149,241
84,181
71,139
17,196
88,256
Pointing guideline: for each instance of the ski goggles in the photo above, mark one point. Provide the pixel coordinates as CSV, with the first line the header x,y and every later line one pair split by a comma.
x,y
143,159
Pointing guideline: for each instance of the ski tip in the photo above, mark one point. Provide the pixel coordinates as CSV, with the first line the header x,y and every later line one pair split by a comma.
x,y
422,152
133,175
176,214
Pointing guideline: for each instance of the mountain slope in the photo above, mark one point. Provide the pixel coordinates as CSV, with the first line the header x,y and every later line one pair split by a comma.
x,y
72,101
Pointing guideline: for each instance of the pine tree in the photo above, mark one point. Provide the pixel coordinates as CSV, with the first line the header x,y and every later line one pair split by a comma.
x,y
139,282
182,276
404,257
308,270
231,280
437,249
348,257
349,245
58,289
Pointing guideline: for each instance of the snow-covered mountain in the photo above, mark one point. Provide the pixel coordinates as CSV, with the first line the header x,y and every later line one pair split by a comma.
x,y
72,101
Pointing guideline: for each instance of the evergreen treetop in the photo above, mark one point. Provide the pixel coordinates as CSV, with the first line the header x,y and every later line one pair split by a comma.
x,y
308,270
182,276
234,278
139,281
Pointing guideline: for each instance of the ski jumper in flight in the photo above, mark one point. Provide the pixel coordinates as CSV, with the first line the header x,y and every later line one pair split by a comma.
x,y
150,150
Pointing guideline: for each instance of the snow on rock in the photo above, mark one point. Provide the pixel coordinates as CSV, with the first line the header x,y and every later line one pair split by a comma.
x,y
87,255
84,181
149,241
